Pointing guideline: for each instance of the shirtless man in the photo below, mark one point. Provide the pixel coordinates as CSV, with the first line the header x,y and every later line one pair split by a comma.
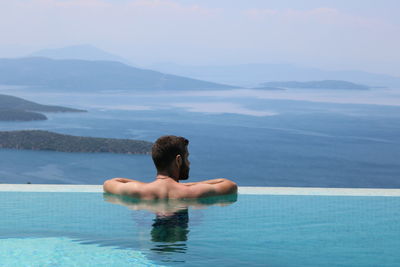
x,y
170,156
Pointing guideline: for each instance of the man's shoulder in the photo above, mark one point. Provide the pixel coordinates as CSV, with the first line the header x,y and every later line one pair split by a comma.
x,y
121,186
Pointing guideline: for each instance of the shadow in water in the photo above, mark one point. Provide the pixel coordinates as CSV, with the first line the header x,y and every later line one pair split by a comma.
x,y
170,227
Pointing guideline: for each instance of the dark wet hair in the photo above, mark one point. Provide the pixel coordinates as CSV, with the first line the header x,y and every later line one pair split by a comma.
x,y
166,148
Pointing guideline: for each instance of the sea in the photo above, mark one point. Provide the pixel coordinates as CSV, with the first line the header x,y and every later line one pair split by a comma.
x,y
299,138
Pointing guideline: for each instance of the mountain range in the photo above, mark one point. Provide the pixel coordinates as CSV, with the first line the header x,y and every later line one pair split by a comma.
x,y
83,52
88,68
96,76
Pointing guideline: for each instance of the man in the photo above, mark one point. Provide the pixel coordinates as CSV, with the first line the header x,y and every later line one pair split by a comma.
x,y
170,156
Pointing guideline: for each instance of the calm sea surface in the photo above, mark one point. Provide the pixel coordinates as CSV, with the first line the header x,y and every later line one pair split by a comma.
x,y
254,141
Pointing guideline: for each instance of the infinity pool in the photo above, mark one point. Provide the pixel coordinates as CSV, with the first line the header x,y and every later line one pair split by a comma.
x,y
96,229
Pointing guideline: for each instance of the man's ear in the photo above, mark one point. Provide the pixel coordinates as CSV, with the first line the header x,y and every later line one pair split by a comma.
x,y
178,160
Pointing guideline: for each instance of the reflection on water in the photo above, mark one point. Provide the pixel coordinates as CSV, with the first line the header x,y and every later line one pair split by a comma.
x,y
170,227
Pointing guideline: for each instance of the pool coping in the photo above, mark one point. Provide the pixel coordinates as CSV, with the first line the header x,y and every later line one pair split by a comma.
x,y
245,190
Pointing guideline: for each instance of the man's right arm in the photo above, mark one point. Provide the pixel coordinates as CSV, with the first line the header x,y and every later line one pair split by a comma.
x,y
213,181
209,188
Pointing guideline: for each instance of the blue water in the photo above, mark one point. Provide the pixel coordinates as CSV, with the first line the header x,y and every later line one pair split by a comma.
x,y
63,229
303,144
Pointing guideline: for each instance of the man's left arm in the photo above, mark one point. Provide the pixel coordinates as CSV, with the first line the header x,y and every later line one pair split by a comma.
x,y
189,184
120,186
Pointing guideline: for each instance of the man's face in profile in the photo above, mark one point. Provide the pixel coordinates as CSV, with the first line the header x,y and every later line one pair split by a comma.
x,y
184,171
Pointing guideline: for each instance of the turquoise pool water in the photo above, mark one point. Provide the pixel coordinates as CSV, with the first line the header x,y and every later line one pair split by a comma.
x,y
94,229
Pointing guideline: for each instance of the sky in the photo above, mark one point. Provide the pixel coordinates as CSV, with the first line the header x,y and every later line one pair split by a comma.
x,y
331,34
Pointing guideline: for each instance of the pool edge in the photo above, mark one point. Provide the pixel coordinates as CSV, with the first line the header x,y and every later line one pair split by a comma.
x,y
245,190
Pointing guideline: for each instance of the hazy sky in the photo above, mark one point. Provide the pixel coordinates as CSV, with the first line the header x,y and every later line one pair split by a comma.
x,y
330,34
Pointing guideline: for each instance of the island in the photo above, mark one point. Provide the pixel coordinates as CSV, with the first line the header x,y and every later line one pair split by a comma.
x,y
325,84
17,109
50,141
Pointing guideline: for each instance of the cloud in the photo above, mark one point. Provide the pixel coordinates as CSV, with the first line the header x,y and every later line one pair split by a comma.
x,y
322,15
51,21
172,6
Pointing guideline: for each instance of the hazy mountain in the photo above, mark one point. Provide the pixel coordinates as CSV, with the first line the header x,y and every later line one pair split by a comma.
x,y
327,84
83,75
84,52
252,75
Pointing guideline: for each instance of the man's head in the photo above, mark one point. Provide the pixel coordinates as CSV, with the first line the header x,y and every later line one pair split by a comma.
x,y
170,153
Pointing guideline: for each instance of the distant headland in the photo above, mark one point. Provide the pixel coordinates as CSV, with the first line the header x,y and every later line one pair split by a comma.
x,y
17,109
45,140
325,84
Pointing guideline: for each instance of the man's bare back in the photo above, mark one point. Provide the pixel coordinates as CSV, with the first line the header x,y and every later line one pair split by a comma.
x,y
163,188
170,156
